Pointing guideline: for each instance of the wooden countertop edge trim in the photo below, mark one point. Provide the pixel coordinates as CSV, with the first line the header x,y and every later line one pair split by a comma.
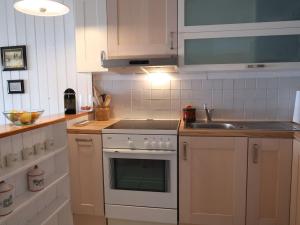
x,y
235,133
74,131
257,134
297,136
10,130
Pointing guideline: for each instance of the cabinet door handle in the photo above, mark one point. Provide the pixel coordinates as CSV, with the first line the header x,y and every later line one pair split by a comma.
x,y
255,150
185,151
83,140
102,57
172,40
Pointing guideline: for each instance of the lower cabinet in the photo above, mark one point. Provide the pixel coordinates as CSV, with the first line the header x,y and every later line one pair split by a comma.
x,y
86,174
295,198
212,180
269,181
234,180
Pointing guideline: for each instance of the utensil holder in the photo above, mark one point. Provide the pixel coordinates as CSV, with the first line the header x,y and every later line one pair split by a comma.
x,y
102,113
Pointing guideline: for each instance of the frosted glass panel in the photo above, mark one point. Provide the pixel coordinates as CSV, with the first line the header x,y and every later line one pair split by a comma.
x,y
210,12
263,49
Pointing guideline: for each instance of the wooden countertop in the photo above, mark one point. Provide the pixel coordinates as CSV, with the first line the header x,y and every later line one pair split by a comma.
x,y
93,127
297,135
235,133
9,130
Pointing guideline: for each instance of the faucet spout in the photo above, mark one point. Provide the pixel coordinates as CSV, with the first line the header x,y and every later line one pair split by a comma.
x,y
208,113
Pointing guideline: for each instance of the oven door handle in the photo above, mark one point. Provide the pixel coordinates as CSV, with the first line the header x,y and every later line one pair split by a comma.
x,y
133,151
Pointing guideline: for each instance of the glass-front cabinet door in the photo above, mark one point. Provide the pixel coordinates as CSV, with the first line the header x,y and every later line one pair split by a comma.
x,y
205,15
240,50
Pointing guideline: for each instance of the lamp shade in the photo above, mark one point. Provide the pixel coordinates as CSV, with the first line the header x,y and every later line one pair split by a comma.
x,y
41,7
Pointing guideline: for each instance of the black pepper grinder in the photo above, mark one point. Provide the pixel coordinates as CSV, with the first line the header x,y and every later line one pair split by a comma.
x,y
70,101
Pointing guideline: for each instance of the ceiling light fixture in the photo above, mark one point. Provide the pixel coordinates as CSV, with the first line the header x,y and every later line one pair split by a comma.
x,y
41,7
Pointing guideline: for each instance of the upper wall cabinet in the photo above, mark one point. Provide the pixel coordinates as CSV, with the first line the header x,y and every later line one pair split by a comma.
x,y
142,27
208,15
240,50
91,34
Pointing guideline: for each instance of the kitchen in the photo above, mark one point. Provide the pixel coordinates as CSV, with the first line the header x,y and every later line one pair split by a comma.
x,y
186,112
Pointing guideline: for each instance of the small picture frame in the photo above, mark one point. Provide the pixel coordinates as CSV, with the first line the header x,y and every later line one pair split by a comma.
x,y
13,58
15,86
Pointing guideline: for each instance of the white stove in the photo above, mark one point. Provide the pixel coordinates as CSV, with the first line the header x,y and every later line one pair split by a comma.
x,y
140,170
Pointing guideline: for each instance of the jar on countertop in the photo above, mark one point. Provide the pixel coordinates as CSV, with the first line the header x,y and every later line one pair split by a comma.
x,y
6,198
36,179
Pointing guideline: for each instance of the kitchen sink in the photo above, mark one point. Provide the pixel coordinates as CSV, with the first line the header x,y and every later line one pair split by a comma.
x,y
199,125
245,125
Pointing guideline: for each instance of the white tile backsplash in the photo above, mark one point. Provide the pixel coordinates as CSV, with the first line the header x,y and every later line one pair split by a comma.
x,y
232,99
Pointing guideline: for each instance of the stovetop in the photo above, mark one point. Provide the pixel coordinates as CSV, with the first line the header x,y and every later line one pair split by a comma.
x,y
143,127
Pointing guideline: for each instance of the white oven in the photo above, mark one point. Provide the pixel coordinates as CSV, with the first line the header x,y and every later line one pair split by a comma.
x,y
140,176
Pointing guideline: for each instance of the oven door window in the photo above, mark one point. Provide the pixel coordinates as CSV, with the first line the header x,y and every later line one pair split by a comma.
x,y
140,174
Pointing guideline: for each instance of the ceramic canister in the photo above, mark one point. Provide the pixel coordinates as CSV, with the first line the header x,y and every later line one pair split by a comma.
x,y
39,148
6,198
27,153
35,179
11,159
49,144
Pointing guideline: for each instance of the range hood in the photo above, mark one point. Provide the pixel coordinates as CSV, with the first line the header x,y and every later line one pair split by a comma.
x,y
142,64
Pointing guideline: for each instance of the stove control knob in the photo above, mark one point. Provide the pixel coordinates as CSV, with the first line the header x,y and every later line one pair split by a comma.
x,y
146,144
153,144
161,144
168,145
130,144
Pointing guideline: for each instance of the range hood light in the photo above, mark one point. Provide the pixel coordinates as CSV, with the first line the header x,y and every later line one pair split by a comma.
x,y
41,7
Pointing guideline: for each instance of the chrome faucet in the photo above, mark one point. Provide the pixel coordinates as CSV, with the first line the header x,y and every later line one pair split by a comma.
x,y
208,113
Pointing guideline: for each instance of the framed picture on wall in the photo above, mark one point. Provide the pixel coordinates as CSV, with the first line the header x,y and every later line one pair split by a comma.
x,y
13,58
15,86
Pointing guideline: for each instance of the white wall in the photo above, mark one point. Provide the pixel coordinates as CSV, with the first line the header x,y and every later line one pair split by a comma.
x,y
245,98
51,60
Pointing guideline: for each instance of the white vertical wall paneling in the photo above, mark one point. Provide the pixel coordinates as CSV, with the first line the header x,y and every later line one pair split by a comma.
x,y
2,43
60,60
51,65
42,63
51,60
5,75
21,40
12,40
70,45
33,77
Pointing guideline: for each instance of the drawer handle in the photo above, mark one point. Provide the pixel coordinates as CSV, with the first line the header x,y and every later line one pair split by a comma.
x,y
255,153
172,40
83,140
185,151
254,66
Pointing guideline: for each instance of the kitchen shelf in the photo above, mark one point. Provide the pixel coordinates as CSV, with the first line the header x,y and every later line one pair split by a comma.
x,y
26,164
28,197
46,214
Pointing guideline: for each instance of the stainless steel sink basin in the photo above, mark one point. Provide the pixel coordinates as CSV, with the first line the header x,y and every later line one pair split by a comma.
x,y
245,125
211,126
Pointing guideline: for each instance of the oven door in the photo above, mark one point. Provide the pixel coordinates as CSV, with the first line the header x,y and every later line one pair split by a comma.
x,y
140,178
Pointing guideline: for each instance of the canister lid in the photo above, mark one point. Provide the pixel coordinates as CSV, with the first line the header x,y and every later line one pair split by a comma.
x,y
35,171
4,187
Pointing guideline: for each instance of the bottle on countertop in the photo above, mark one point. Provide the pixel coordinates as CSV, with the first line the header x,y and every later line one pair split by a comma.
x,y
70,101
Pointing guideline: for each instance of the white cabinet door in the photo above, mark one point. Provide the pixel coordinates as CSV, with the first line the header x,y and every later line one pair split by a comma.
x,y
212,180
295,195
269,181
142,27
85,153
91,34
